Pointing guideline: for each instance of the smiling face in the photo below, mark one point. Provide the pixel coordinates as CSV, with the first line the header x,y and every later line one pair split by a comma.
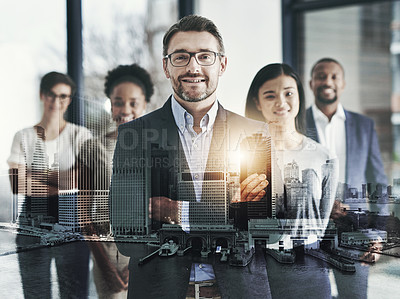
x,y
278,101
57,100
194,83
127,102
327,83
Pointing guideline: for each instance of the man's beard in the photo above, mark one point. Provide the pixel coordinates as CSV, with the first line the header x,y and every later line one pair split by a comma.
x,y
323,100
180,91
182,94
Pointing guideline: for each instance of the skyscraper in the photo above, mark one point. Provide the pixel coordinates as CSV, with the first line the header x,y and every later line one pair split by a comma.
x,y
33,184
313,186
329,172
291,172
257,157
204,191
132,187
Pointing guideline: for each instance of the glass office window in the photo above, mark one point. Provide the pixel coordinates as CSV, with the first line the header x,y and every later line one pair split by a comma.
x,y
29,48
359,37
122,32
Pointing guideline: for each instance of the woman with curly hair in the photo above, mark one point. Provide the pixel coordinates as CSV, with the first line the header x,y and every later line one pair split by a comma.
x,y
129,88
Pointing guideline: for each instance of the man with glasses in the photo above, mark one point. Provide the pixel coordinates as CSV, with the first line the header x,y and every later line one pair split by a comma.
x,y
63,98
176,154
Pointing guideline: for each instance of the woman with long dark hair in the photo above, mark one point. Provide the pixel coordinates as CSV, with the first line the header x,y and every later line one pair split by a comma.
x,y
305,199
276,96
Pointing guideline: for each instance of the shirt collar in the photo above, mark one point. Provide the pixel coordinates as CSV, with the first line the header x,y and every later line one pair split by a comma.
x,y
320,116
184,118
340,112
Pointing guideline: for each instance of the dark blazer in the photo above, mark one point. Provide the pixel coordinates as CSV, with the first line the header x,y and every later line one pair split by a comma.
x,y
363,158
149,160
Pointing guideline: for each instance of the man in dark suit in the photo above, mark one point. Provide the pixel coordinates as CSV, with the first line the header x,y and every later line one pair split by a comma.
x,y
349,136
176,159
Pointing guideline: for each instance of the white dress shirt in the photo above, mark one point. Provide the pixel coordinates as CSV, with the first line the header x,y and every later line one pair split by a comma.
x,y
332,135
196,147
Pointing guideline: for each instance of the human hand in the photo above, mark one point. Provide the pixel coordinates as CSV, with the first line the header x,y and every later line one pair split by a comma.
x,y
118,281
164,210
115,280
373,253
252,188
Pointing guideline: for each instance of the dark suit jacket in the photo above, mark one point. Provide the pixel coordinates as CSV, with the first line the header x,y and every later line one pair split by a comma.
x,y
149,160
363,158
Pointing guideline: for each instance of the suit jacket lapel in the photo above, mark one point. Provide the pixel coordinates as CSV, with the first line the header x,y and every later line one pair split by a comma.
x,y
217,152
171,142
351,150
311,128
172,135
168,126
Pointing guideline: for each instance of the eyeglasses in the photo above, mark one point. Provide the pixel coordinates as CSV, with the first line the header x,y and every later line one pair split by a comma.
x,y
63,97
205,58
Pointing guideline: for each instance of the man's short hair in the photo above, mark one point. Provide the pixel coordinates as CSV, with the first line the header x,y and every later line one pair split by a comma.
x,y
53,78
193,23
327,60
